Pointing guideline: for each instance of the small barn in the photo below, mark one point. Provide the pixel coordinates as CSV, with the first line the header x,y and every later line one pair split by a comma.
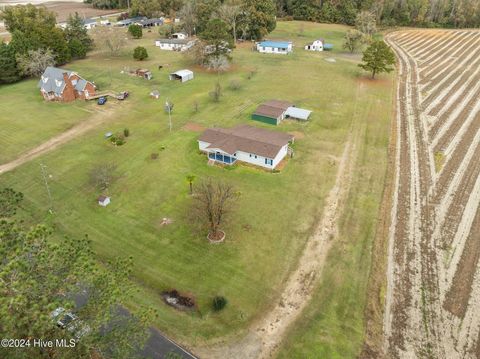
x,y
145,73
275,47
275,111
103,201
271,112
182,75
317,45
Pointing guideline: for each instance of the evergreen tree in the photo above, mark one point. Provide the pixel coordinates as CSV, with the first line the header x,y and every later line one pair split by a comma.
x,y
8,64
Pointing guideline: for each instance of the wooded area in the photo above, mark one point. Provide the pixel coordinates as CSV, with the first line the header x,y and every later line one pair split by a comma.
x,y
427,13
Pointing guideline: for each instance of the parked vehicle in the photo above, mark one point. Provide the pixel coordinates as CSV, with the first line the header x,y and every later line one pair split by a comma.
x,y
102,100
122,95
69,321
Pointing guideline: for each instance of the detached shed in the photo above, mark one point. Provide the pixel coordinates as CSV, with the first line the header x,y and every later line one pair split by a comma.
x,y
182,75
103,201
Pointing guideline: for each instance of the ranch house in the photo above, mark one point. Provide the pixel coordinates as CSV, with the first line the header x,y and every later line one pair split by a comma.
x,y
275,47
174,44
317,45
244,143
62,85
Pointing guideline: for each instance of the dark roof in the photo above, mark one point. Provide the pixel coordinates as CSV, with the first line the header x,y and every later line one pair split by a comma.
x,y
102,198
246,138
269,111
272,108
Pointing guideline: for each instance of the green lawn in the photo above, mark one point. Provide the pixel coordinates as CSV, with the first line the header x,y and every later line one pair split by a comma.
x,y
276,212
26,121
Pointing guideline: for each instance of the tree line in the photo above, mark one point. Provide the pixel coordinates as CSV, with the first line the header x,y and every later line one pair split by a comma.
x,y
37,43
425,13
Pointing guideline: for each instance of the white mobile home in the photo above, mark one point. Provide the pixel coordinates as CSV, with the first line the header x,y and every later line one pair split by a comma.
x,y
174,44
275,47
244,143
179,35
317,45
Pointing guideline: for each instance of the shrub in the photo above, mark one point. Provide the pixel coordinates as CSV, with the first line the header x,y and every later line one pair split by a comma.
x,y
235,85
219,303
135,31
154,156
140,53
126,132
117,140
251,74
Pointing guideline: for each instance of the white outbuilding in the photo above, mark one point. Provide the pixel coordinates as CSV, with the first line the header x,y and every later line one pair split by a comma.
x,y
103,201
317,45
182,75
179,35
298,113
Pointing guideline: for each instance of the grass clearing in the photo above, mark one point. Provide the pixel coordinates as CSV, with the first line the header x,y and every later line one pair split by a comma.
x,y
276,212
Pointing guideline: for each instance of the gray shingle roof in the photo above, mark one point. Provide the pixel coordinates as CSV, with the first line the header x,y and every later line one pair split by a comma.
x,y
52,80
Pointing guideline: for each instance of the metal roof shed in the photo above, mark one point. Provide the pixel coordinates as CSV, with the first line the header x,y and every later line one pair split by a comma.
x,y
182,75
298,113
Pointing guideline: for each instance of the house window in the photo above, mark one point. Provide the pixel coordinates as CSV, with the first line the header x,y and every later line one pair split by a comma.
x,y
255,156
268,161
235,154
250,155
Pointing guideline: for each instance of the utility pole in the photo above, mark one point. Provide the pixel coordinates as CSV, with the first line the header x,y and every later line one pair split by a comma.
x,y
167,105
44,175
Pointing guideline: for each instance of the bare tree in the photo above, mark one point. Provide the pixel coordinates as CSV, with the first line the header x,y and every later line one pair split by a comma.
x,y
109,39
34,62
366,23
103,175
189,17
231,12
214,201
218,64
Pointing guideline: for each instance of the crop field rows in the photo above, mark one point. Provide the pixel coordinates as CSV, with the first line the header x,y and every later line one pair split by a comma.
x,y
433,271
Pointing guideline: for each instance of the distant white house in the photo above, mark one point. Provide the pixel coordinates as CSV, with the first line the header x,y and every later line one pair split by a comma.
x,y
317,45
179,35
245,143
275,47
103,201
89,23
182,75
105,22
174,44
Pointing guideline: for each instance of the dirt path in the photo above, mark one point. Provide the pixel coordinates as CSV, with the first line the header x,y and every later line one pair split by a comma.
x,y
432,298
99,117
264,337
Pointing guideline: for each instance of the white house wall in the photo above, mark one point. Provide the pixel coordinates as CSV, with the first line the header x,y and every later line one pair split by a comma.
x,y
250,157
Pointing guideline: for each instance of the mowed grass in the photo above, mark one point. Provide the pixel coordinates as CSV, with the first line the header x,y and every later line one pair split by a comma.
x,y
25,121
275,214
